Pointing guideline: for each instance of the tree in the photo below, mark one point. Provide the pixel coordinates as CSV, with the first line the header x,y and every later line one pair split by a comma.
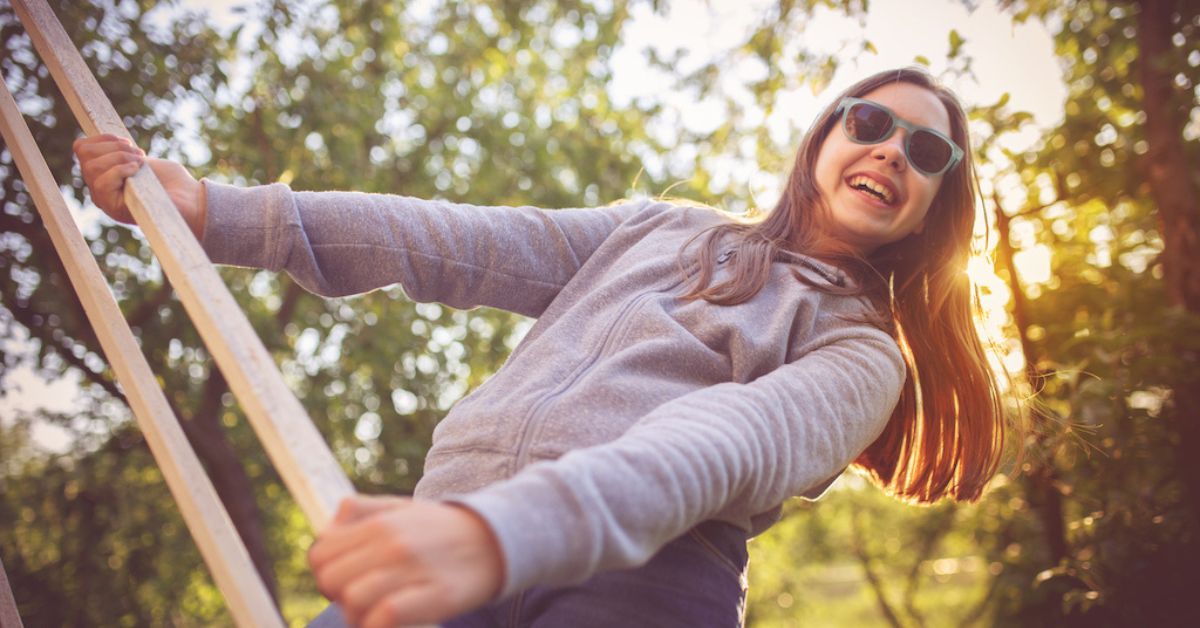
x,y
1111,339
60,531
496,102
502,102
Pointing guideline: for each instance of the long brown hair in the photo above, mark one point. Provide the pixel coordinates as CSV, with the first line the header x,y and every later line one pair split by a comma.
x,y
946,434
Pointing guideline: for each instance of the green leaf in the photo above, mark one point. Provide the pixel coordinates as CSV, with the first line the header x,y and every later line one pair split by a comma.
x,y
956,43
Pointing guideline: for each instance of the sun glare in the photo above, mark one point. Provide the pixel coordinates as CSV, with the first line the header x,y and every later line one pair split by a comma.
x,y
1033,264
993,320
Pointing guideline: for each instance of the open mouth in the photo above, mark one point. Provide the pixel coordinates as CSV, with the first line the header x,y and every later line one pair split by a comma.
x,y
872,188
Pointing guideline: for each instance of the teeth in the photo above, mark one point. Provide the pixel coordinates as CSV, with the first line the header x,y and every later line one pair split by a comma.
x,y
870,184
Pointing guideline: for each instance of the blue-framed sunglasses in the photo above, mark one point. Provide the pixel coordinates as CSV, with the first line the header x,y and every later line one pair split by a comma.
x,y
929,151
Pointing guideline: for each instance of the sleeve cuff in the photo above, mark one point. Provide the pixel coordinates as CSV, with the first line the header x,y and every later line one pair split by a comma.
x,y
531,542
248,226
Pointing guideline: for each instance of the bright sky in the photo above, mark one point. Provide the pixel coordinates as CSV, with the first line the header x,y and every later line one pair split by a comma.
x,y
1014,58
1018,59
1007,58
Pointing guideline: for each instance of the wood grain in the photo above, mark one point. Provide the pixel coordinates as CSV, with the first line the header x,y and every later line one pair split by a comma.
x,y
222,549
9,618
293,443
295,447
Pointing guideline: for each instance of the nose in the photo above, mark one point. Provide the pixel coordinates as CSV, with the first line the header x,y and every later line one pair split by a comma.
x,y
891,151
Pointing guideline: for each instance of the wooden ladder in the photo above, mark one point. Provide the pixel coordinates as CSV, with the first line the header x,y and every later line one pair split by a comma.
x,y
8,605
295,447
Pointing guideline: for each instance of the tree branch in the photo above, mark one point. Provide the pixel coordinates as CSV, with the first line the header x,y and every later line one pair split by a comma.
x,y
929,542
1044,495
147,308
858,547
25,315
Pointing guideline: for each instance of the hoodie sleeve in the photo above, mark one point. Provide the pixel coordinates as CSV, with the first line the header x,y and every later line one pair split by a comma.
x,y
732,448
342,243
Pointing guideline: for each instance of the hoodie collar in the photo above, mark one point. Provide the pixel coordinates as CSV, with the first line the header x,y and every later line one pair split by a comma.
x,y
828,272
825,270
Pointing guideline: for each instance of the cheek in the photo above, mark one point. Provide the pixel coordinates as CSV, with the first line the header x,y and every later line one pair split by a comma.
x,y
926,203
928,192
920,210
824,171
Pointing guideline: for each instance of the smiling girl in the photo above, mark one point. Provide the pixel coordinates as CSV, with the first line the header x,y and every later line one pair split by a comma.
x,y
688,372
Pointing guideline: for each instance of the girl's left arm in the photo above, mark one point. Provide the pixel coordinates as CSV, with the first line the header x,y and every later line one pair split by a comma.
x,y
731,449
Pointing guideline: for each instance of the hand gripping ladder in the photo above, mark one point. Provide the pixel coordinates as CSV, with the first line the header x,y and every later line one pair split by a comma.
x,y
300,455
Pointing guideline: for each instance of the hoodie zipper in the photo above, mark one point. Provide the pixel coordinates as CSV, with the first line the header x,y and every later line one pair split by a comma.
x,y
535,414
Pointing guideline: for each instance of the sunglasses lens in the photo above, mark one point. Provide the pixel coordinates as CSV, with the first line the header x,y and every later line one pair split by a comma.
x,y
929,152
868,124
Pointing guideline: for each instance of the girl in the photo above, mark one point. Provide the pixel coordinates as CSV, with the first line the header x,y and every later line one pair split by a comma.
x,y
687,373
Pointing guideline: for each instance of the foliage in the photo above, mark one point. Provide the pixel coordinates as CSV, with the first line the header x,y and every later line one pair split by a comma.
x,y
1106,349
496,102
505,102
83,534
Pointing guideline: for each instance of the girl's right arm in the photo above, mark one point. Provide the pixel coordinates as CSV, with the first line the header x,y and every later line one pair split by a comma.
x,y
341,243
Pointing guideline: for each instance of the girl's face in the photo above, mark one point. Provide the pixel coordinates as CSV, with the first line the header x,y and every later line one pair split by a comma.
x,y
858,217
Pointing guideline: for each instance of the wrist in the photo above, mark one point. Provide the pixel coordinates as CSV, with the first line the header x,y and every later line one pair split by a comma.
x,y
482,530
200,215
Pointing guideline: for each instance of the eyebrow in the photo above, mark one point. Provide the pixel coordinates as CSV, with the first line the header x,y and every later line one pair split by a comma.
x,y
949,126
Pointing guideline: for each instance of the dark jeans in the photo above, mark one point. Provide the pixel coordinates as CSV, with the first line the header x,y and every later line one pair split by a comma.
x,y
696,581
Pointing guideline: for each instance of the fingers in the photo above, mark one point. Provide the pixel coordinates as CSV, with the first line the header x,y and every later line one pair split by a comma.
x,y
408,606
89,148
369,589
108,190
334,577
345,538
356,507
105,162
406,562
95,168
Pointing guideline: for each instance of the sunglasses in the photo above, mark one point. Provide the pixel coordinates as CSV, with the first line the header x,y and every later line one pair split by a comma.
x,y
929,151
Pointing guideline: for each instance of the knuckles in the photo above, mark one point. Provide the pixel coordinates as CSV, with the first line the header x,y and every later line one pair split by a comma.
x,y
314,557
346,510
380,527
398,551
440,594
391,609
355,602
394,545
325,584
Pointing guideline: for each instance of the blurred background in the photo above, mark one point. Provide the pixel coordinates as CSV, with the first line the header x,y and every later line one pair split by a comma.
x,y
1084,119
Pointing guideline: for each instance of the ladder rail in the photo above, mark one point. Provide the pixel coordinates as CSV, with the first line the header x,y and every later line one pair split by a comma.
x,y
249,601
8,604
295,447
292,442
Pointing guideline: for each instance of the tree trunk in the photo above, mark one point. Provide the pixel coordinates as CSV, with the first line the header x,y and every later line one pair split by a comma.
x,y
1041,481
225,469
1171,185
229,477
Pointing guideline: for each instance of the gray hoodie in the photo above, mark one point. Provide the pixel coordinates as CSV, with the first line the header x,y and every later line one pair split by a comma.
x,y
626,416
